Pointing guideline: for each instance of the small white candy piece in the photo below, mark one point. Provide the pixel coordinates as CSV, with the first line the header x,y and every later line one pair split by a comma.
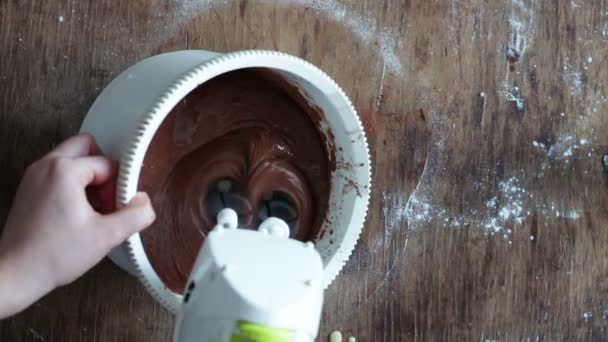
x,y
335,336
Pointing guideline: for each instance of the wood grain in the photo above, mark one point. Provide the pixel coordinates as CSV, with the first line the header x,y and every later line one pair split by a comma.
x,y
451,265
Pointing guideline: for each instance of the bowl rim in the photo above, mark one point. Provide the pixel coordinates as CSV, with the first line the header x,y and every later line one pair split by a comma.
x,y
138,143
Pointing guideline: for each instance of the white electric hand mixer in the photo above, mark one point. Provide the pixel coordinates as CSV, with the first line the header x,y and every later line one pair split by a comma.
x,y
252,286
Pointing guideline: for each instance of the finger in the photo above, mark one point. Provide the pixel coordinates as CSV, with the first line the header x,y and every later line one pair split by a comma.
x,y
76,146
137,215
102,197
94,149
95,170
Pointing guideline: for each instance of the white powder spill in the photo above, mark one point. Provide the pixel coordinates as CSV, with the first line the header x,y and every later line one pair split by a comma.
x,y
35,334
381,88
520,4
420,209
365,28
508,204
188,9
520,36
604,32
522,26
571,214
394,214
386,40
573,79
566,148
513,94
508,207
518,42
539,145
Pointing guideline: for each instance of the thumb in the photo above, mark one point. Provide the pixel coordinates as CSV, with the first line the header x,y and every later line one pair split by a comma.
x,y
137,215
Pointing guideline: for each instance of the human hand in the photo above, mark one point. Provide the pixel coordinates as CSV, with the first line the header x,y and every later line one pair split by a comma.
x,y
53,234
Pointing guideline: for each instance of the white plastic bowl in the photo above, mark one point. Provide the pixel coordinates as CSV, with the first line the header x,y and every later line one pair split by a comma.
x,y
127,113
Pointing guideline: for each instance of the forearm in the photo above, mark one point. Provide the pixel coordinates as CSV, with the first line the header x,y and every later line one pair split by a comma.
x,y
10,296
18,287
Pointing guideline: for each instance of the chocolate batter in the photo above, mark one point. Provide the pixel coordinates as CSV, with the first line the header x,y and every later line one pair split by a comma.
x,y
240,140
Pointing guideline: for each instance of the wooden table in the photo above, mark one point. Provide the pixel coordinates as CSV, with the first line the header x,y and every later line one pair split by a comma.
x,y
487,122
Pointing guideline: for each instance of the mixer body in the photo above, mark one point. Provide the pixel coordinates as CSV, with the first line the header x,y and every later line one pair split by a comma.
x,y
249,285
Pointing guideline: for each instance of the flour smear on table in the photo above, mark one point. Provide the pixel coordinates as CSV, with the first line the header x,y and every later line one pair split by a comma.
x,y
521,25
384,40
510,201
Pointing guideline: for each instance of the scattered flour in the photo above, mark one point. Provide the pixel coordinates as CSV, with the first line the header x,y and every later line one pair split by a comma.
x,y
508,204
35,334
365,28
522,27
566,148
421,210
188,9
513,94
520,36
539,145
394,213
604,32
381,88
571,214
574,79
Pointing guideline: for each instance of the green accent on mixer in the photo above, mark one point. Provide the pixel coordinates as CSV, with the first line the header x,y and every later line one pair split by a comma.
x,y
251,332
